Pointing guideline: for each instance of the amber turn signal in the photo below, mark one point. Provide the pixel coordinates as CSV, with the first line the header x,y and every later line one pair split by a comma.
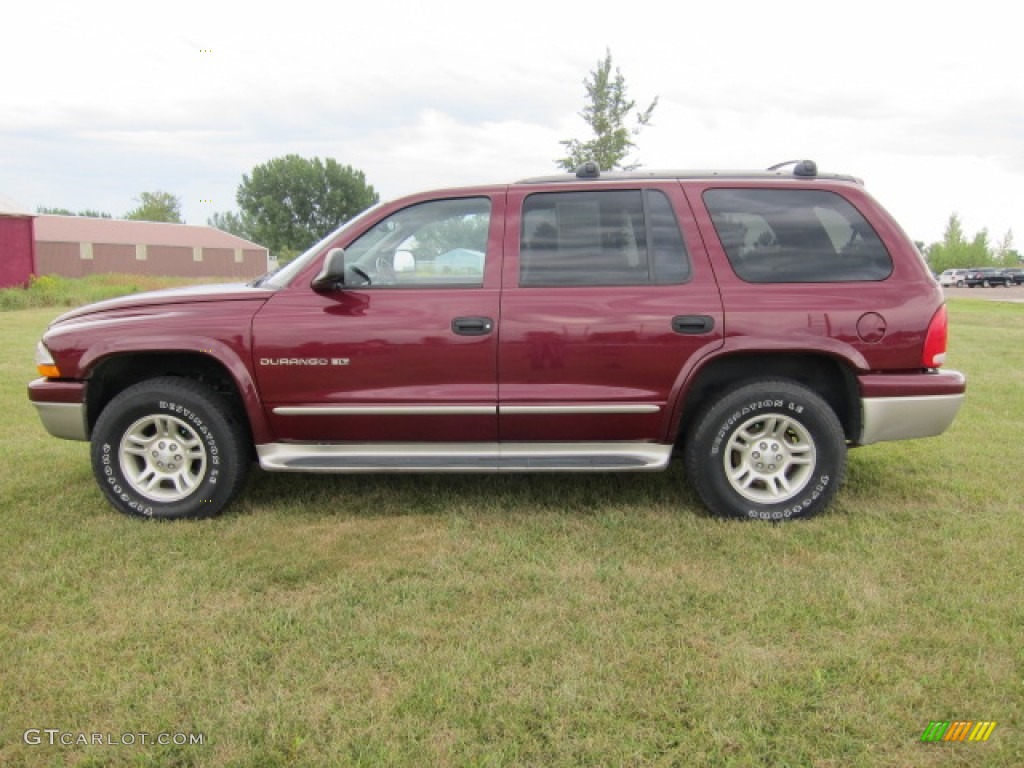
x,y
50,371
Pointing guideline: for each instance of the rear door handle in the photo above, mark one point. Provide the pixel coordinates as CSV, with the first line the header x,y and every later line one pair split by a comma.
x,y
472,326
693,324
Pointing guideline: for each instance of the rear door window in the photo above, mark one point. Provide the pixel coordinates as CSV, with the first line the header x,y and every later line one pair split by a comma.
x,y
607,237
796,236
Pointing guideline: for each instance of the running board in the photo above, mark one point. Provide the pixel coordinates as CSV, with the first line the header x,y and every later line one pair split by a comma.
x,y
464,457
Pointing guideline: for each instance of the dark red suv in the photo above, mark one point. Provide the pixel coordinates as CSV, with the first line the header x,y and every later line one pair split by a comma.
x,y
756,323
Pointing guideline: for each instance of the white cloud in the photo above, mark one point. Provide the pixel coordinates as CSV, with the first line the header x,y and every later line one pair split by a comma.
x,y
107,99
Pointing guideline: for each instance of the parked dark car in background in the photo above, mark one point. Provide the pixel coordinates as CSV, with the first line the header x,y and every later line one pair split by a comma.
x,y
987,277
1016,275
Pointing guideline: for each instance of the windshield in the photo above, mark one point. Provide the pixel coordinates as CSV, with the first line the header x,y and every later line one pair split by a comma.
x,y
284,274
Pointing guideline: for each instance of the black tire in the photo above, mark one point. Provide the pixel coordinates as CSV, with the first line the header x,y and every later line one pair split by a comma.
x,y
959,283
769,450
169,448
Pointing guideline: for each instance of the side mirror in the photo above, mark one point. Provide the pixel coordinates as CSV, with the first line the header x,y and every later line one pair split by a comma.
x,y
332,274
404,261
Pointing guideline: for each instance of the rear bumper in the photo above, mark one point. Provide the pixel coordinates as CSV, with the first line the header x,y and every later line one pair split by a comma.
x,y
61,407
909,406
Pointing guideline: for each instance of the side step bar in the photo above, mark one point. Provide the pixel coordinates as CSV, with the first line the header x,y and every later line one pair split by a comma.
x,y
464,457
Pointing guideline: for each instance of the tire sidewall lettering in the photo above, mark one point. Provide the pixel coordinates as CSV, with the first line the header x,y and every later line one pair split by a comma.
x,y
717,430
794,507
119,489
108,464
216,427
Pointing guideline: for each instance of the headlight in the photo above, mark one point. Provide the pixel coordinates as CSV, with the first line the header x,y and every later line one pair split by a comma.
x,y
44,362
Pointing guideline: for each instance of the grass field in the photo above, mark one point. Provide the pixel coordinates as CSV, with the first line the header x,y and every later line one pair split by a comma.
x,y
536,621
57,291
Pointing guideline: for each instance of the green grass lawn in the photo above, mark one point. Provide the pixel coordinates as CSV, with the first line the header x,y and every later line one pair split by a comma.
x,y
523,620
57,291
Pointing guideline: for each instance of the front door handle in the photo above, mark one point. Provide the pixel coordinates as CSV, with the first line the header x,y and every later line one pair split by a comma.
x,y
693,324
472,326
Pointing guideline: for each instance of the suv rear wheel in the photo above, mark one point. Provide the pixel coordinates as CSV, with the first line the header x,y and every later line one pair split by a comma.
x,y
169,448
769,450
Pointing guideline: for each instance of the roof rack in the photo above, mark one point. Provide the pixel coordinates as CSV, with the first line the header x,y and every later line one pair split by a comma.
x,y
591,171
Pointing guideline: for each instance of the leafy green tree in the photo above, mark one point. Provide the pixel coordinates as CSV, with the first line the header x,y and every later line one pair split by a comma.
x,y
606,112
1005,254
68,212
979,249
233,223
956,251
953,237
289,203
156,206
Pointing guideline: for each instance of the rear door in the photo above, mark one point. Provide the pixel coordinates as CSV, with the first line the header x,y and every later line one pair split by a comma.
x,y
608,301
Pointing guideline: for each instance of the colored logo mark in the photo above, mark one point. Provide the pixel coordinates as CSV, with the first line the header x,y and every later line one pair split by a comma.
x,y
958,730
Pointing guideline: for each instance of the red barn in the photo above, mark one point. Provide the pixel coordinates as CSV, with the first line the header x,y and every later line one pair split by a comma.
x,y
17,246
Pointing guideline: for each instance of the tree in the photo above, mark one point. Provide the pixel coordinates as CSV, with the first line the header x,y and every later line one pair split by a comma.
x,y
68,212
607,109
1005,254
156,206
290,202
956,252
434,239
233,223
979,252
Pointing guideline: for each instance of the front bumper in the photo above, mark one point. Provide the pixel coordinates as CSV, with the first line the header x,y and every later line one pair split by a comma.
x,y
904,407
61,407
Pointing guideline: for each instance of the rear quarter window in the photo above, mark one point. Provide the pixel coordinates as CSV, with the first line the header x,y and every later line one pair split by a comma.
x,y
796,236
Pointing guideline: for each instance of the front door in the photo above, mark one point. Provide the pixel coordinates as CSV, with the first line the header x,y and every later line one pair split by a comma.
x,y
407,349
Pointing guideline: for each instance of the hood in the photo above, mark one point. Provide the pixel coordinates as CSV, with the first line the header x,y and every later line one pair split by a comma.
x,y
169,296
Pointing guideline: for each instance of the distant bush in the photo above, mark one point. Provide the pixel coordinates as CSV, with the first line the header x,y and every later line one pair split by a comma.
x,y
56,291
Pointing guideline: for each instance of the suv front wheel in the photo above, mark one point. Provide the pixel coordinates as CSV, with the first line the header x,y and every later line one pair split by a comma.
x,y
169,448
769,450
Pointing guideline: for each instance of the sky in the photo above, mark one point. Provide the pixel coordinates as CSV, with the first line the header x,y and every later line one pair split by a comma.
x,y
102,100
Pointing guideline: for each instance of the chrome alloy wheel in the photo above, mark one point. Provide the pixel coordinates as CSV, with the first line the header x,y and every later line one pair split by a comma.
x,y
163,458
769,459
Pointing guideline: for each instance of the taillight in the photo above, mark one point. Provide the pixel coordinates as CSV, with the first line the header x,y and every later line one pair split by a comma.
x,y
934,354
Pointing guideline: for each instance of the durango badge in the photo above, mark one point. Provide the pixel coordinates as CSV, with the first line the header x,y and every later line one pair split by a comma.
x,y
304,361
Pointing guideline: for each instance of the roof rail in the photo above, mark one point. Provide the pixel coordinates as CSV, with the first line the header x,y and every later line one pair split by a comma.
x,y
803,170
